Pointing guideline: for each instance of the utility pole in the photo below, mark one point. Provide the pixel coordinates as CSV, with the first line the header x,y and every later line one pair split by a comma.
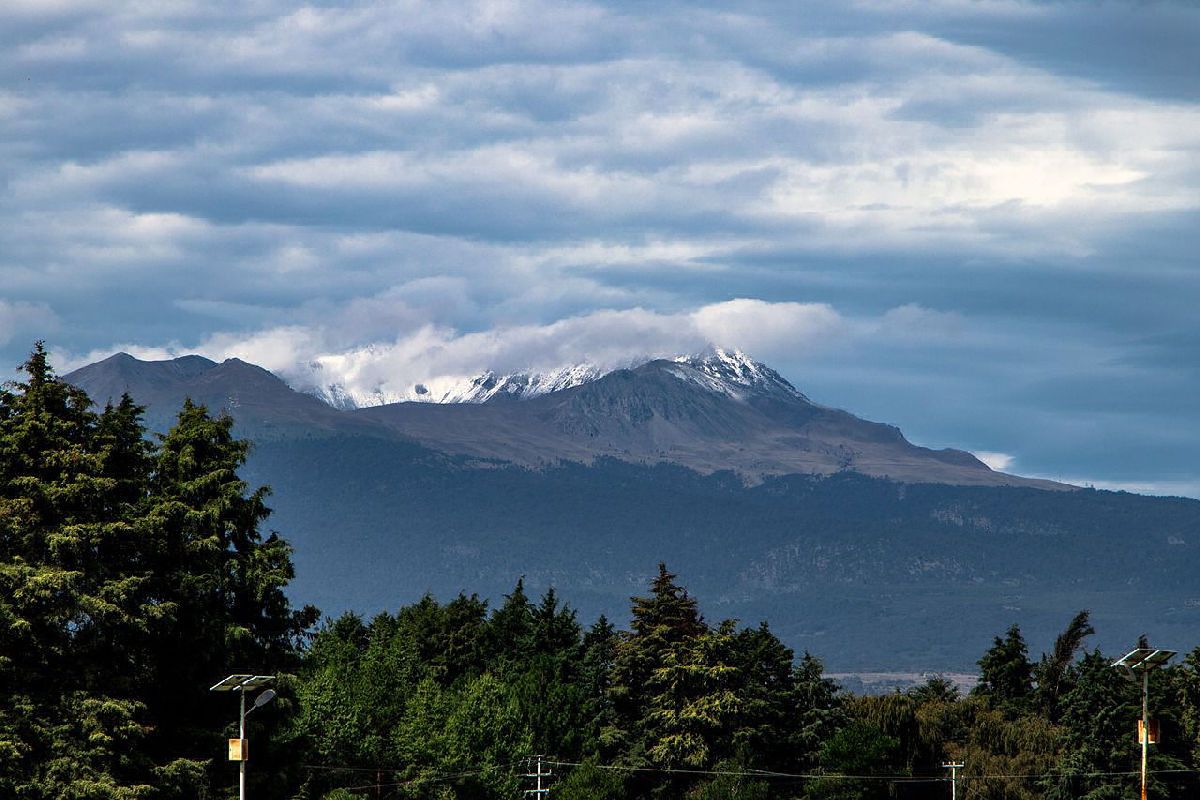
x,y
1145,659
238,747
242,755
954,767
1145,727
542,791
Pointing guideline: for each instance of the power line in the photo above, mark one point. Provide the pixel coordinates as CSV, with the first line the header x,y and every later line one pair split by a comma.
x,y
762,774
839,775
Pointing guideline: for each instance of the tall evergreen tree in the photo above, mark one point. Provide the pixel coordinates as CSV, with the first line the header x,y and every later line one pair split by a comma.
x,y
767,707
693,705
818,710
1006,674
131,577
510,628
71,585
665,623
596,669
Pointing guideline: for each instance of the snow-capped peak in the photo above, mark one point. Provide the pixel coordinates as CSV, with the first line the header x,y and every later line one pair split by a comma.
x,y
725,371
487,387
518,386
733,373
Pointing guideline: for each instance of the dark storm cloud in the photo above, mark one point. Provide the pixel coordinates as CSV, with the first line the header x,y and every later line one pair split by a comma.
x,y
977,220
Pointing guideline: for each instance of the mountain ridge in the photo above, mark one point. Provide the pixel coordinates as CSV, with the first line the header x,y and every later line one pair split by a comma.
x,y
714,411
724,367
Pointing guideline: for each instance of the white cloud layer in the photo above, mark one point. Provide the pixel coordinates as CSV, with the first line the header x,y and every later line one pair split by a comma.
x,y
427,353
20,318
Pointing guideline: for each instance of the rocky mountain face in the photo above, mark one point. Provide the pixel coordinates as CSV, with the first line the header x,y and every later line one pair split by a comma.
x,y
711,412
262,404
856,544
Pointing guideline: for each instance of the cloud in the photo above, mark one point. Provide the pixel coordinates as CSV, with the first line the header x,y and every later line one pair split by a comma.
x,y
22,319
427,353
997,461
769,329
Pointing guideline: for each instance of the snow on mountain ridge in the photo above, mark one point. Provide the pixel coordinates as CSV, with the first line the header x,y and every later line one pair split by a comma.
x,y
483,388
733,373
728,372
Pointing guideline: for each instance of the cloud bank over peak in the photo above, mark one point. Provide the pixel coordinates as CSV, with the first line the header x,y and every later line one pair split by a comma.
x,y
309,357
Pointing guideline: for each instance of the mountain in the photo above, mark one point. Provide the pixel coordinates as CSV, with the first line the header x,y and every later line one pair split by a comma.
x,y
720,410
868,574
727,371
484,388
262,404
709,413
869,551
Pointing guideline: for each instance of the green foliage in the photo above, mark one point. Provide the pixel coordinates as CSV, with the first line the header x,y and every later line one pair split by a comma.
x,y
855,753
589,781
1053,672
131,577
673,692
732,787
1005,674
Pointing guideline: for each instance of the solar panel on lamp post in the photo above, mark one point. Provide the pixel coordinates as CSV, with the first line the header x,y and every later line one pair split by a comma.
x,y
240,684
1144,659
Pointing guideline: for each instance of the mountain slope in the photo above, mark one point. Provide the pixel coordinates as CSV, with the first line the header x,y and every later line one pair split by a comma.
x,y
716,411
262,404
705,414
865,573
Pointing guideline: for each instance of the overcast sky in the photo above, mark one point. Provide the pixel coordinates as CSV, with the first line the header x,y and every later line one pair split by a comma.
x,y
975,220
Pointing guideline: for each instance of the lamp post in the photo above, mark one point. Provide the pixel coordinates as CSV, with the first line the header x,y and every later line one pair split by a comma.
x,y
1144,659
238,749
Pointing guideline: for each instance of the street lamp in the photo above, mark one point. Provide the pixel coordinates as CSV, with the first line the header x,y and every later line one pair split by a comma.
x,y
238,747
1144,659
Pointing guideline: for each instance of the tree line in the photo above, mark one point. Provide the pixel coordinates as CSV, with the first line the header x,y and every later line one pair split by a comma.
x,y
135,572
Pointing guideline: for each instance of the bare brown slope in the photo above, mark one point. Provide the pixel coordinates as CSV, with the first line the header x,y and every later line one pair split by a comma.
x,y
650,415
261,403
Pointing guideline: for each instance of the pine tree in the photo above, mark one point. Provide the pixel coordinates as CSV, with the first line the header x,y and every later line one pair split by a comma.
x,y
71,589
130,578
548,689
818,710
766,698
664,625
219,580
693,703
1005,673
510,628
596,669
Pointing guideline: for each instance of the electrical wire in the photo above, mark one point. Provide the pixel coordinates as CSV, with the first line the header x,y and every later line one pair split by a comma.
x,y
761,774
845,776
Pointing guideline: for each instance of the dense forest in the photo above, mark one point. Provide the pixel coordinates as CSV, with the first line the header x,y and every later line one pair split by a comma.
x,y
136,572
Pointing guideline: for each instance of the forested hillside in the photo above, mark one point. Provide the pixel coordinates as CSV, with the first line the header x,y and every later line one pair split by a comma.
x,y
873,573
